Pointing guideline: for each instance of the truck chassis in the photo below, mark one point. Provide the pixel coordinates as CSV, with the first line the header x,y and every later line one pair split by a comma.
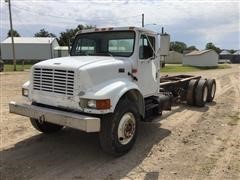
x,y
99,89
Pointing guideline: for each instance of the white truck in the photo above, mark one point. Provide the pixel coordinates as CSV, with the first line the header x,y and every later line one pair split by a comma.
x,y
109,83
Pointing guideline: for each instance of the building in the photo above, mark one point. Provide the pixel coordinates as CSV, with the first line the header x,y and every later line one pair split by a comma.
x,y
204,58
174,58
237,52
236,57
225,52
29,48
61,51
227,56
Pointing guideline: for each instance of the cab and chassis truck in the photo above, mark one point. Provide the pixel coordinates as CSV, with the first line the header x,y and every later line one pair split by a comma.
x,y
110,82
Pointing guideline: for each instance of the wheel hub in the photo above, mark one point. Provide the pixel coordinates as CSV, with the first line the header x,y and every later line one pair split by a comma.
x,y
126,128
129,129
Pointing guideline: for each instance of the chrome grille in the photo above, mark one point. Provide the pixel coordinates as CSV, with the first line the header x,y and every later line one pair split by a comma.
x,y
53,80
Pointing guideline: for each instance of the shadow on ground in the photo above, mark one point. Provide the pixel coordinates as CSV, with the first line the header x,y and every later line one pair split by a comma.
x,y
183,107
72,154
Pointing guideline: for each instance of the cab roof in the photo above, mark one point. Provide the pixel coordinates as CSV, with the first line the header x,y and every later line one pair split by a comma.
x,y
127,28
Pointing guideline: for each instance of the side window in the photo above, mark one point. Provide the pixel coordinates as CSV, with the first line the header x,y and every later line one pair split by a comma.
x,y
145,48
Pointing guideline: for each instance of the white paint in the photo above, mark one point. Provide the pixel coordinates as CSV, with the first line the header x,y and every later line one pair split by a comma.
x,y
29,48
98,77
164,44
148,80
205,59
174,58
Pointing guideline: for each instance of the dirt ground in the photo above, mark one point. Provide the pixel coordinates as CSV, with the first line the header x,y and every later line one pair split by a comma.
x,y
186,143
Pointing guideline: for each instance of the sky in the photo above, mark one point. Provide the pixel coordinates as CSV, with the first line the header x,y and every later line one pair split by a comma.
x,y
195,22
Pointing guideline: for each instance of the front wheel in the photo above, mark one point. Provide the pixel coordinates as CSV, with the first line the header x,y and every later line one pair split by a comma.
x,y
45,127
119,130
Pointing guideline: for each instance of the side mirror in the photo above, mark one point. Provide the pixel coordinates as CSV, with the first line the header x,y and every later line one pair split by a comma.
x,y
158,52
164,44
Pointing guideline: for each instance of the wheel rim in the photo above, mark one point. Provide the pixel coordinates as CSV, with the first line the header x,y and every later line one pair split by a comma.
x,y
126,128
213,90
205,93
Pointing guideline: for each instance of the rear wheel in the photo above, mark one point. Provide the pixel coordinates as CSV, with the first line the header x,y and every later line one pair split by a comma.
x,y
119,130
45,127
211,83
201,93
191,92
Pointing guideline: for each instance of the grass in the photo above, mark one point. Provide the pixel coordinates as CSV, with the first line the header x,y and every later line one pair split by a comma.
x,y
9,67
181,68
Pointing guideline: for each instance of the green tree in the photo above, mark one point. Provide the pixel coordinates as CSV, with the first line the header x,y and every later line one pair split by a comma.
x,y
191,48
210,45
178,46
15,33
70,33
232,51
44,33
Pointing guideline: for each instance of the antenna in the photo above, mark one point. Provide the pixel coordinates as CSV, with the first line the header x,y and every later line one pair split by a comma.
x,y
142,20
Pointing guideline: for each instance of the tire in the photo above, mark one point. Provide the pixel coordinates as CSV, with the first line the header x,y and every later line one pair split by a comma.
x,y
45,127
201,93
190,97
123,122
211,83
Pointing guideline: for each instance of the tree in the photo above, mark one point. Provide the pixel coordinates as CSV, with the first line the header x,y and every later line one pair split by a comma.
x,y
68,34
210,45
44,33
15,33
232,51
191,48
178,46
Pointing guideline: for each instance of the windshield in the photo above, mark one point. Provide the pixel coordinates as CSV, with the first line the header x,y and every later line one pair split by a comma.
x,y
114,43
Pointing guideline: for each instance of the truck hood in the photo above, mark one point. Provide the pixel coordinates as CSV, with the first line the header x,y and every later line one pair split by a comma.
x,y
76,62
91,75
90,71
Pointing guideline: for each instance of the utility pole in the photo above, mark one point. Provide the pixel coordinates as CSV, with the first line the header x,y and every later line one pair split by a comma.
x,y
11,27
142,20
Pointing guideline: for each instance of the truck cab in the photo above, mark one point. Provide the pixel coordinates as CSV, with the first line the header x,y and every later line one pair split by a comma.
x,y
109,83
103,64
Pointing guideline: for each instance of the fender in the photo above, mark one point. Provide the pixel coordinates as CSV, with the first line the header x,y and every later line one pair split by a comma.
x,y
113,90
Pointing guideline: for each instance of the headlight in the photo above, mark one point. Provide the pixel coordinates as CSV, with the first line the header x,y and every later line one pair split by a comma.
x,y
25,92
91,103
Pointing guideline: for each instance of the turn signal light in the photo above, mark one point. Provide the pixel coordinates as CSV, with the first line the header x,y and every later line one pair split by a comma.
x,y
25,92
103,104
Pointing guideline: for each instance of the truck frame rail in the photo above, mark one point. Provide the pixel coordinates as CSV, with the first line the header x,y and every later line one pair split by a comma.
x,y
172,80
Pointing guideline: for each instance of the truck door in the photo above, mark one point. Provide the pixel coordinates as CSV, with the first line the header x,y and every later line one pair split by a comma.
x,y
148,69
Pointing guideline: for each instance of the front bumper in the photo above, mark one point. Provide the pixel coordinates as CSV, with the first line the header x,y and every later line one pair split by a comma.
x,y
73,120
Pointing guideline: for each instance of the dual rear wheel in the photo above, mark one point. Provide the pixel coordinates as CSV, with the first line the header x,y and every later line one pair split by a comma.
x,y
200,91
